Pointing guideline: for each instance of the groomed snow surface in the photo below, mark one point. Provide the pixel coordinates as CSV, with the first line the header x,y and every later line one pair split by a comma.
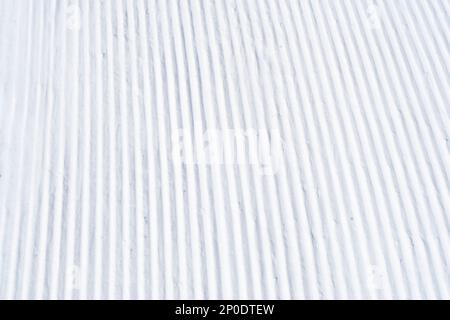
x,y
215,149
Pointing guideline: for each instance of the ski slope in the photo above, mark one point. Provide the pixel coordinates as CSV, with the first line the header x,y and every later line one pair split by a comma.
x,y
224,149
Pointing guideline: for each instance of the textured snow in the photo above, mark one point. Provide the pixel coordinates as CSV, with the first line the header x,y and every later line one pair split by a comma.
x,y
333,122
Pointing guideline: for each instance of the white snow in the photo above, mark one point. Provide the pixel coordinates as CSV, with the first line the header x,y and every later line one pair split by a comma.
x,y
215,149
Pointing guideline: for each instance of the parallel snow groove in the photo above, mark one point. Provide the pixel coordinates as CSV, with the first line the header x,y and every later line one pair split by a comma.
x,y
98,100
